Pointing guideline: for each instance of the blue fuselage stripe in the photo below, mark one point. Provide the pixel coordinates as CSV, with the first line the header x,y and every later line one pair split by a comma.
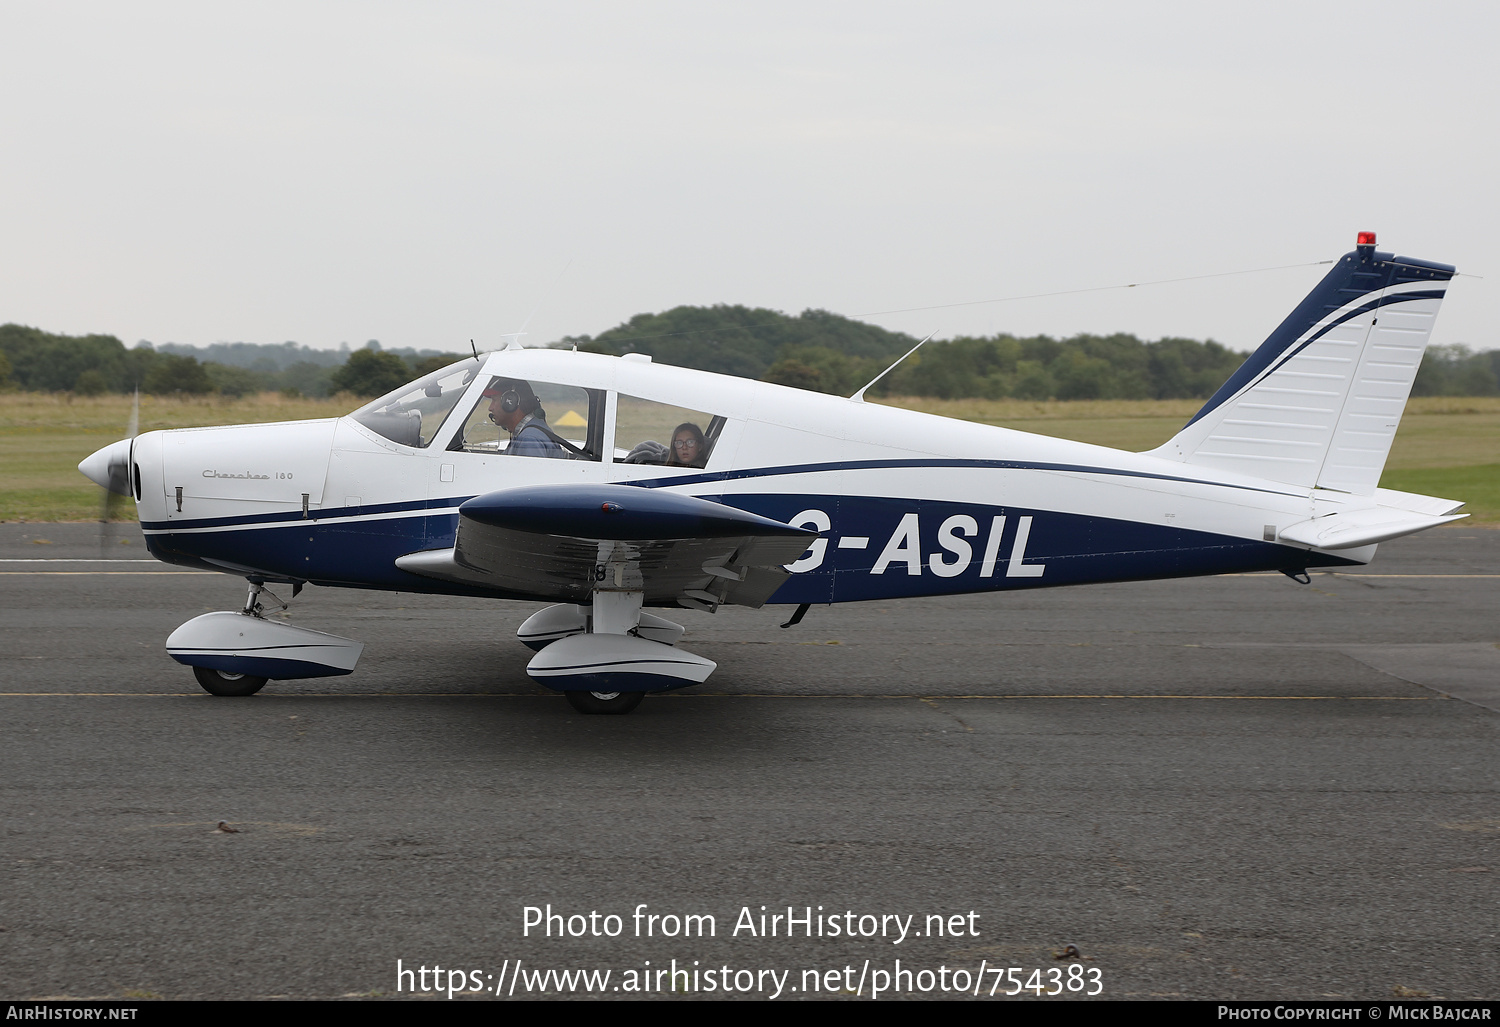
x,y
1006,465
448,507
908,547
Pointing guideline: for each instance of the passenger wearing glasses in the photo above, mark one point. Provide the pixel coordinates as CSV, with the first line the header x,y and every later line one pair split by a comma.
x,y
688,446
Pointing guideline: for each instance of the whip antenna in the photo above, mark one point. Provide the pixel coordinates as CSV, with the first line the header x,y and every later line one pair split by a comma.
x,y
859,397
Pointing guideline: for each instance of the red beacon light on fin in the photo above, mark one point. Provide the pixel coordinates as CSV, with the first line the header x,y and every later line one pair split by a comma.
x,y
1366,239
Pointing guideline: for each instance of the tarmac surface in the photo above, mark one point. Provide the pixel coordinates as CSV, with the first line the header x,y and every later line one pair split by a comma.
x,y
1231,787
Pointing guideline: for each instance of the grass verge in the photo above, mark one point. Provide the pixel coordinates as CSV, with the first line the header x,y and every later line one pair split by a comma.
x,y
43,436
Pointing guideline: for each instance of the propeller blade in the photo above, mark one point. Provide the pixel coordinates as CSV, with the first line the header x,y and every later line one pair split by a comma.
x,y
110,469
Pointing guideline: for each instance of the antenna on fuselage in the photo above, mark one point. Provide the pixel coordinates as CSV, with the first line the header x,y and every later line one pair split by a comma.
x,y
859,397
474,348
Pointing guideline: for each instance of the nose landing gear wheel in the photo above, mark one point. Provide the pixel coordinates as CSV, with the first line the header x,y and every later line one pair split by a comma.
x,y
601,702
217,682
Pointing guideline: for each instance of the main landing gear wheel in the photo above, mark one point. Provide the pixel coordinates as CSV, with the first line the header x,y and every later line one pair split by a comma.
x,y
601,702
217,682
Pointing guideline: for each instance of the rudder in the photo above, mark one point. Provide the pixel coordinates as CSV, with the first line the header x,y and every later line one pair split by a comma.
x,y
1319,402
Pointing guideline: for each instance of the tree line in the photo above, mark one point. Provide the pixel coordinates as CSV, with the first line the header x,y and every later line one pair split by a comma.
x,y
91,365
814,350
824,352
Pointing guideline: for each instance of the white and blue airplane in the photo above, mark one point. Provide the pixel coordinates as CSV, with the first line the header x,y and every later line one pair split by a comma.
x,y
613,486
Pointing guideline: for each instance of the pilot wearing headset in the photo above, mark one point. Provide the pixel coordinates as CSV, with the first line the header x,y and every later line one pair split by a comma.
x,y
514,407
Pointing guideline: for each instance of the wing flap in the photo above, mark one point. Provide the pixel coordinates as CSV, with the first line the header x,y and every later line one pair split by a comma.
x,y
561,542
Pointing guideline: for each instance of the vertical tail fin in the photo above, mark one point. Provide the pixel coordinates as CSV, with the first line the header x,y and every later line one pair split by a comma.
x,y
1319,402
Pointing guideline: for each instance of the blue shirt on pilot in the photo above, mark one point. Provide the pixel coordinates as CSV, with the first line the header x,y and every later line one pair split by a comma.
x,y
532,439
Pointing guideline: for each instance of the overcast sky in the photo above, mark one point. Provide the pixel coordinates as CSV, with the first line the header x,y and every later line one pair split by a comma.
x,y
422,173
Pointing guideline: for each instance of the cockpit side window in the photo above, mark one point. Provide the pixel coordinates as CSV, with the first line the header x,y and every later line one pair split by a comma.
x,y
648,432
523,417
412,414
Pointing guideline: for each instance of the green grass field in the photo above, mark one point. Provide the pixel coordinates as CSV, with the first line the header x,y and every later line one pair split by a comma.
x,y
1447,446
44,435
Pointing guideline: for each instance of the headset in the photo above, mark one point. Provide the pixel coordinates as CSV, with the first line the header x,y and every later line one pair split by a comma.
x,y
511,400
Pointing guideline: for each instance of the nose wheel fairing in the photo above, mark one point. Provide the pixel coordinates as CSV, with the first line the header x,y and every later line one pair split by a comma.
x,y
235,643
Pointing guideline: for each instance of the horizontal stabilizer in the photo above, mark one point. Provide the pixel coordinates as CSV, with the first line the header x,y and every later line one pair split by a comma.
x,y
1430,505
1350,529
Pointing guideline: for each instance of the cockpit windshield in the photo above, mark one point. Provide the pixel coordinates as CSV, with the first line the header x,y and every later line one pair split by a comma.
x,y
412,414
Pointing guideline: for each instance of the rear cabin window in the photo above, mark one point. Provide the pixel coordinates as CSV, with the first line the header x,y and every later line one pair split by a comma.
x,y
535,419
647,432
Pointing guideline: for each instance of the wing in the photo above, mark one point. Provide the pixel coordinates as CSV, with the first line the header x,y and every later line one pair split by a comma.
x,y
561,542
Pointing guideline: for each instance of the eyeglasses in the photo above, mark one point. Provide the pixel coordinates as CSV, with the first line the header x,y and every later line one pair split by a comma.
x,y
685,443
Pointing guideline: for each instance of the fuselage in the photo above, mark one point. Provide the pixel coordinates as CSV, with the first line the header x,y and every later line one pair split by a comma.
x,y
906,503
